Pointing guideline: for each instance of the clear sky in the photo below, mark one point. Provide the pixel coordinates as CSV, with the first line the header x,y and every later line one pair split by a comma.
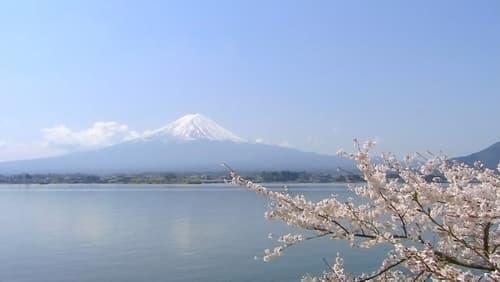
x,y
309,74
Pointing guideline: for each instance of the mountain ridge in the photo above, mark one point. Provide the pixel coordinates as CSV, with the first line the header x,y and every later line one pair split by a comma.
x,y
196,155
490,156
190,143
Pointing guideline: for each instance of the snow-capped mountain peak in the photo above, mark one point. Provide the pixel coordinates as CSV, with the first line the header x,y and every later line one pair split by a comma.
x,y
194,127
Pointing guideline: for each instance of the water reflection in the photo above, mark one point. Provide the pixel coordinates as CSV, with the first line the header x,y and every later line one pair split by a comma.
x,y
181,232
90,225
151,233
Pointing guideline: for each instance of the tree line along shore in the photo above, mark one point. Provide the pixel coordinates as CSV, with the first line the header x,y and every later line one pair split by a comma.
x,y
283,176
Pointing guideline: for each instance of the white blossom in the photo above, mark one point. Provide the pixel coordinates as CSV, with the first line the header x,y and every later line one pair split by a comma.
x,y
438,231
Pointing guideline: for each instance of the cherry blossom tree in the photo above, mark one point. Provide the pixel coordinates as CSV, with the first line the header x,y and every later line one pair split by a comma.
x,y
441,219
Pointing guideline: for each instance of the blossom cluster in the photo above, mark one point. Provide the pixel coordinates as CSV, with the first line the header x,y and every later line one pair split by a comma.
x,y
442,219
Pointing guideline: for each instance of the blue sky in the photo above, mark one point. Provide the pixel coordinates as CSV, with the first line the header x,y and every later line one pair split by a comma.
x,y
310,74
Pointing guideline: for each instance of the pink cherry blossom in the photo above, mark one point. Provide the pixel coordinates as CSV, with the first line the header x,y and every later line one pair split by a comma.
x,y
441,219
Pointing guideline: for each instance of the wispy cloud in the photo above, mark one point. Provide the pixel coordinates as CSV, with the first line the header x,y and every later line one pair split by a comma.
x,y
285,144
282,143
100,134
60,139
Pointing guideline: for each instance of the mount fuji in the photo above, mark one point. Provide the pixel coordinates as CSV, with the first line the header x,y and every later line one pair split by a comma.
x,y
191,143
193,127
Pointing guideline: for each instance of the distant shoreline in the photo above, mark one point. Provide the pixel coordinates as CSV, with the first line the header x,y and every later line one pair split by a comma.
x,y
283,176
170,183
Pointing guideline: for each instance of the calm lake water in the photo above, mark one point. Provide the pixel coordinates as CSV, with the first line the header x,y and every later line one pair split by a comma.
x,y
154,233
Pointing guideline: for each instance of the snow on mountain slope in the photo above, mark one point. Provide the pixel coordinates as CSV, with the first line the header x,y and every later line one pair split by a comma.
x,y
193,127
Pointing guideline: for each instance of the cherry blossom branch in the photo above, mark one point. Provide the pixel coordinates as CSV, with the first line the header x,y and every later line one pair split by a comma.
x,y
486,239
438,231
383,270
455,261
463,242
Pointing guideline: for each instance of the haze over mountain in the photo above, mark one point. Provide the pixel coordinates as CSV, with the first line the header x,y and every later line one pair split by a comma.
x,y
191,143
490,157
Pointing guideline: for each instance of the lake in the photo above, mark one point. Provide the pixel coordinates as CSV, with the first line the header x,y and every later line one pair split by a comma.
x,y
155,233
